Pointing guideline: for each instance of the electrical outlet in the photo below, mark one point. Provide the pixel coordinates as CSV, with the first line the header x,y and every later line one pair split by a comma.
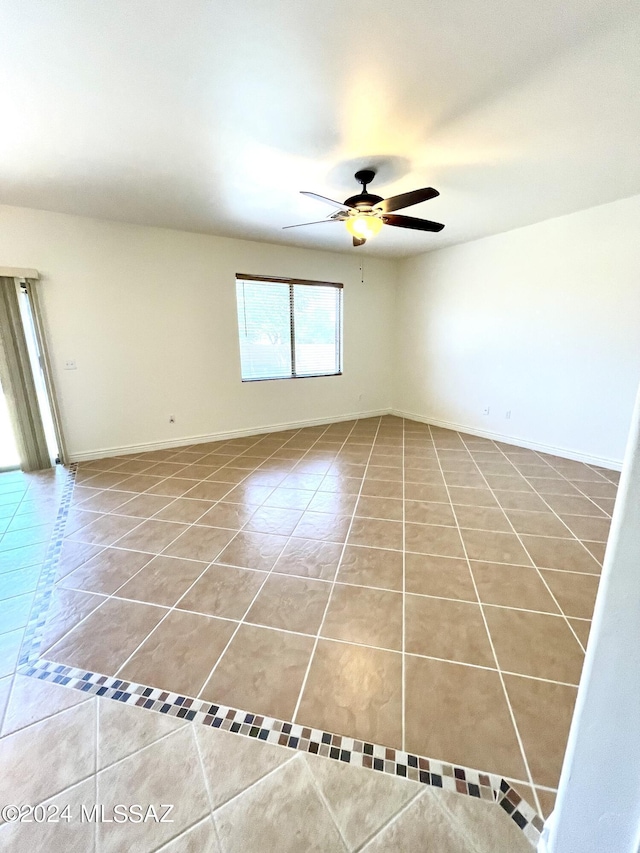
x,y
508,414
172,419
486,410
70,364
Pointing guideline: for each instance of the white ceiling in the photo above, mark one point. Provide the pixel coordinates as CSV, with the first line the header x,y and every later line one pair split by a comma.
x,y
211,116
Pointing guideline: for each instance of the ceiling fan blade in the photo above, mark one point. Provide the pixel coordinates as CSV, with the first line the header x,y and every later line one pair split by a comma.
x,y
412,222
359,241
318,222
397,202
327,200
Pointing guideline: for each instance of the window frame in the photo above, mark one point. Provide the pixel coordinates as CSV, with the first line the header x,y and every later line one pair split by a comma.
x,y
291,282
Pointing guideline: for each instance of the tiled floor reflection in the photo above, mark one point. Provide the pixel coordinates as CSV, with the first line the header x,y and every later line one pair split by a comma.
x,y
381,579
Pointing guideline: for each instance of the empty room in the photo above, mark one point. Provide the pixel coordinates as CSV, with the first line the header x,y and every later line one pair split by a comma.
x,y
319,426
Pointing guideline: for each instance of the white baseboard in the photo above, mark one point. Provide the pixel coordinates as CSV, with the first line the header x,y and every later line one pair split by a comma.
x,y
124,450
603,462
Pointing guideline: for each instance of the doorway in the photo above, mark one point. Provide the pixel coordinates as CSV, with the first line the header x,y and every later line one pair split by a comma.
x,y
29,427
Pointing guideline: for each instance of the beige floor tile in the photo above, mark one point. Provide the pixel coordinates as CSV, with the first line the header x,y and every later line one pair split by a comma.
x,y
421,512
433,539
363,615
143,506
456,630
371,567
20,582
33,699
248,494
282,812
543,714
201,838
180,654
261,671
74,554
377,488
487,827
274,520
482,518
162,581
137,483
152,536
323,526
464,496
598,549
534,644
423,826
173,487
375,532
200,543
167,771
354,691
253,550
566,554
125,729
335,503
106,530
231,763
494,547
107,571
291,498
528,501
292,604
547,801
588,527
229,515
359,801
21,755
185,510
538,523
571,505
309,558
426,492
512,586
209,490
459,714
576,593
73,836
446,577
582,627
66,608
224,591
386,508
106,638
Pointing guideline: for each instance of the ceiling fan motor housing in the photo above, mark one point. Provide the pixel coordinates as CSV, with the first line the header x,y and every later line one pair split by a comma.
x,y
364,200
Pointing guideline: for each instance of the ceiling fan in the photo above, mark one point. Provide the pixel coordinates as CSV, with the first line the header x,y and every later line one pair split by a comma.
x,y
365,214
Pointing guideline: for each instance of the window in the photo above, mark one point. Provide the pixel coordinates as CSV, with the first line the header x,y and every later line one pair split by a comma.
x,y
288,328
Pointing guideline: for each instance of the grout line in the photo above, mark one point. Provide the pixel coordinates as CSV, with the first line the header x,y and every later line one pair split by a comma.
x,y
493,651
207,788
266,578
344,546
389,821
318,789
540,575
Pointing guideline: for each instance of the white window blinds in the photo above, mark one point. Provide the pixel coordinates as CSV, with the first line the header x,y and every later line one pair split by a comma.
x,y
288,329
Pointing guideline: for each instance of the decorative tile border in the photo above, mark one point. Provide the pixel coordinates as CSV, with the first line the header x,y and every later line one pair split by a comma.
x,y
395,762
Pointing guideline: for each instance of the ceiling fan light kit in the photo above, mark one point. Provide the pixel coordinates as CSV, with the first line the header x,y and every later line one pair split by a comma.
x,y
365,214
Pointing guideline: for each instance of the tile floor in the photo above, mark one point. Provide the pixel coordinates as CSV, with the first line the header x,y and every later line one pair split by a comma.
x,y
380,579
229,794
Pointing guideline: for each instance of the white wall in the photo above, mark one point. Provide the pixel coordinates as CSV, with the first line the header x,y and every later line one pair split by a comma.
x,y
543,321
149,316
